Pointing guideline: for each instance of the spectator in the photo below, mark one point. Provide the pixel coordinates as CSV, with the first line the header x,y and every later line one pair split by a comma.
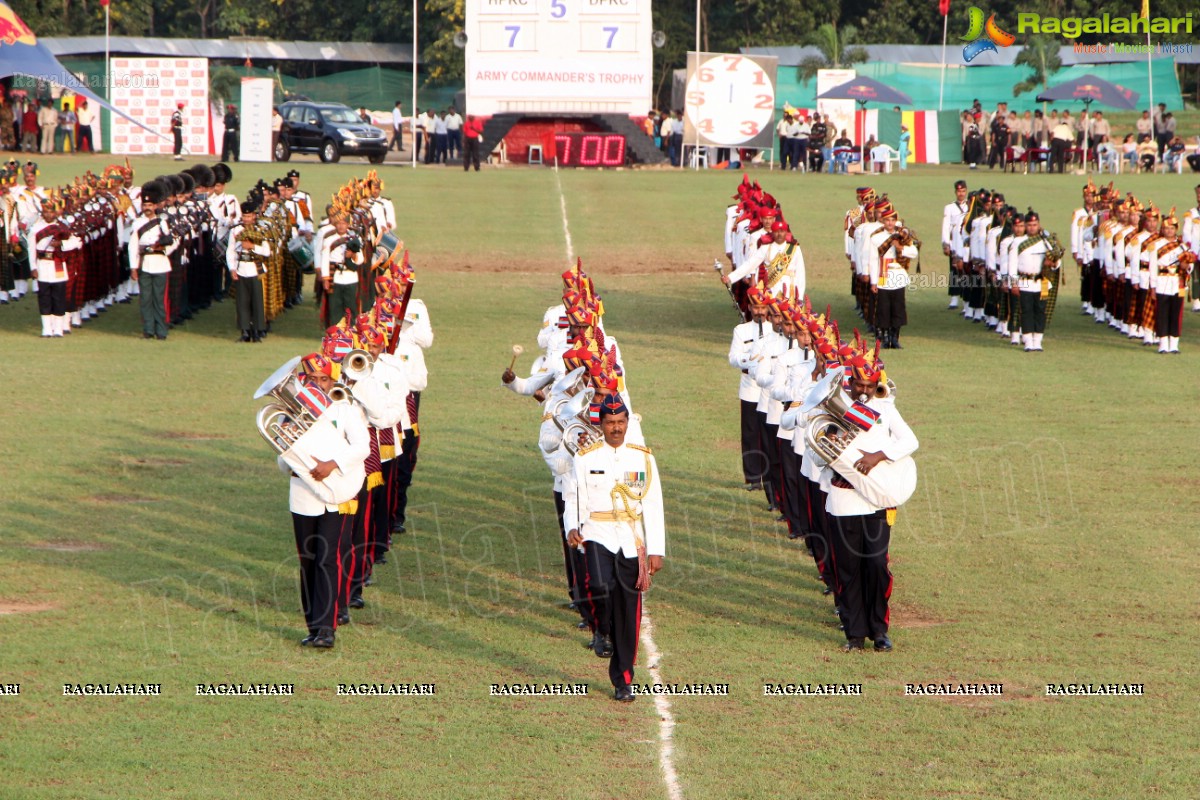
x,y
1174,153
276,131
454,123
65,136
842,149
364,115
801,134
818,144
472,132
783,129
440,137
1147,154
1193,160
1107,156
1025,130
397,128
973,149
1038,131
677,136
29,128
903,148
1169,127
998,150
47,121
664,132
1129,149
229,142
1100,127
650,127
1144,126
85,117
420,134
1160,127
1061,139
965,121
430,120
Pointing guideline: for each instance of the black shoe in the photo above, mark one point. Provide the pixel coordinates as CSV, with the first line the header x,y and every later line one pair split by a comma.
x,y
781,518
245,336
308,640
343,617
591,644
324,640
356,602
883,644
853,644
161,338
147,335
623,694
795,534
603,647
582,625
381,559
754,487
826,591
399,528
896,341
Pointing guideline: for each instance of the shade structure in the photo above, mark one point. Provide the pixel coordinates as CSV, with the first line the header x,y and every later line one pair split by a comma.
x,y
866,90
1090,89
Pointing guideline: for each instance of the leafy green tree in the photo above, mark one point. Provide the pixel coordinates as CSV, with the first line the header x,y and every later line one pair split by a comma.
x,y
837,49
1040,54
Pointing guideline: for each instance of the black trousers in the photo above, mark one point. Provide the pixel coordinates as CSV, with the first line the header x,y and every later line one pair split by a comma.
x,y
786,153
406,462
52,298
575,565
890,309
772,482
358,549
229,146
615,605
1033,313
1096,285
381,516
754,460
471,153
818,532
250,315
864,582
1168,314
178,134
955,282
1058,154
791,491
317,545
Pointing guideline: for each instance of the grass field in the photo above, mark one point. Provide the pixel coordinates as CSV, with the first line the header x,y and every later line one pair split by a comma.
x,y
1052,538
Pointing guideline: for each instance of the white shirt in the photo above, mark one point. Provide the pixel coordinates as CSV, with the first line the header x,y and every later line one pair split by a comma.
x,y
29,204
885,271
792,274
48,270
234,262
454,121
416,328
340,435
1029,265
147,232
588,491
848,502
439,125
397,118
1165,269
385,212
952,217
745,337
413,358
335,254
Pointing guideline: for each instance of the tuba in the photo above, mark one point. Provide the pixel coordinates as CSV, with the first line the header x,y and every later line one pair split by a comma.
x,y
571,417
837,442
295,433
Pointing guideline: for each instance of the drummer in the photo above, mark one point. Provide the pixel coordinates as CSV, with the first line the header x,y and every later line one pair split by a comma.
x,y
300,237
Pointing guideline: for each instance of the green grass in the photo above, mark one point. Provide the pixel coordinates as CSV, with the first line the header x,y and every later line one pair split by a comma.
x,y
1051,539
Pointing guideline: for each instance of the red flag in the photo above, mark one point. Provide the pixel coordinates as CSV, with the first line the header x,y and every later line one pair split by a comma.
x,y
104,3
943,7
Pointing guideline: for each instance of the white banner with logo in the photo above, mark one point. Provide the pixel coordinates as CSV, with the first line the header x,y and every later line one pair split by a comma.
x,y
258,95
149,89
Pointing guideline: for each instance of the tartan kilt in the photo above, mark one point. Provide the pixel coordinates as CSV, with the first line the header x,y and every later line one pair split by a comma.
x,y
1003,304
1148,310
1136,298
1014,305
291,274
78,270
1052,299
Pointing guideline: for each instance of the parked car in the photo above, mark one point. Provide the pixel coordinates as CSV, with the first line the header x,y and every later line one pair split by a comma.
x,y
331,130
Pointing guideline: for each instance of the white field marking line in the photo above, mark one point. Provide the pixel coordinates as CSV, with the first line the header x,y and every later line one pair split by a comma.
x,y
562,202
666,724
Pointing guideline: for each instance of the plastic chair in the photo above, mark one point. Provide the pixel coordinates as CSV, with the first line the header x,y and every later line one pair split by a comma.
x,y
535,154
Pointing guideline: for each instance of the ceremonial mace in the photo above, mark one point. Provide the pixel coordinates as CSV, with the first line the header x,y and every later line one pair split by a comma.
x,y
728,288
516,351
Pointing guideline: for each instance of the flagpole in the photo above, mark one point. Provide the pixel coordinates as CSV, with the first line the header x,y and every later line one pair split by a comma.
x,y
413,112
942,82
1149,69
107,70
696,149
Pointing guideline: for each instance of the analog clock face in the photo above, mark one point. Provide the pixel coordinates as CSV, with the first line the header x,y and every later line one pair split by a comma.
x,y
730,99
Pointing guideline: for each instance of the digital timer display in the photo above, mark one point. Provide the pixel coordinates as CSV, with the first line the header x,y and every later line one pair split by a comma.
x,y
589,149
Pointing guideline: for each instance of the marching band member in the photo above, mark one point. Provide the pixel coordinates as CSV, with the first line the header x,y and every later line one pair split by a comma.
x,y
300,226
765,351
779,263
1037,274
340,441
413,359
1081,220
613,510
48,242
29,197
10,236
150,246
952,219
1171,266
889,253
246,259
861,531
746,338
382,207
341,255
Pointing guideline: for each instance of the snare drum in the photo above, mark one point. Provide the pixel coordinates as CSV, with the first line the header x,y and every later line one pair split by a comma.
x,y
387,246
302,251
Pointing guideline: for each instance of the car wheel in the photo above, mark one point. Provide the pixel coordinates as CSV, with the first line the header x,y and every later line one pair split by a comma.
x,y
377,159
282,151
329,152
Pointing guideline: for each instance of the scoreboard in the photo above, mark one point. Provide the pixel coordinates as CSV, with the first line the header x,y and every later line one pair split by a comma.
x,y
558,56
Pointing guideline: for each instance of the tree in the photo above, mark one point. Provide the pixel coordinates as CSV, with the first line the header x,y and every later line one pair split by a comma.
x,y
837,50
1040,54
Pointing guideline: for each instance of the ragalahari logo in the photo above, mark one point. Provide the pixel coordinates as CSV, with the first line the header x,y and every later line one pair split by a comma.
x,y
982,36
13,29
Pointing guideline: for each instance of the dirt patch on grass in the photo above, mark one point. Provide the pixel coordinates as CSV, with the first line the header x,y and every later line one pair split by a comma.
x,y
69,547
119,498
22,607
155,462
906,615
194,436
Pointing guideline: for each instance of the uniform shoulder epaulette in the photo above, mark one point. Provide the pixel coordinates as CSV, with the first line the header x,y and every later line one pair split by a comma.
x,y
641,447
583,451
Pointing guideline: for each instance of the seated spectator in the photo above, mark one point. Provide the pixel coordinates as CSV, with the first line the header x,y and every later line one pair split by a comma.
x,y
1106,154
1147,154
1129,151
843,148
1174,154
1193,158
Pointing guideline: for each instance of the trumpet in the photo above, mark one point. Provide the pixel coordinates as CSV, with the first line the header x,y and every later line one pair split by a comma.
x,y
357,365
340,392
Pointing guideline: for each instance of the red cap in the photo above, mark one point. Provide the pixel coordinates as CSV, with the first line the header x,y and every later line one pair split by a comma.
x,y
778,225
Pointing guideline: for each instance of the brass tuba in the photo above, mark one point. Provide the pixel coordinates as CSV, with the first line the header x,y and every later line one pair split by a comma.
x,y
571,417
838,443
